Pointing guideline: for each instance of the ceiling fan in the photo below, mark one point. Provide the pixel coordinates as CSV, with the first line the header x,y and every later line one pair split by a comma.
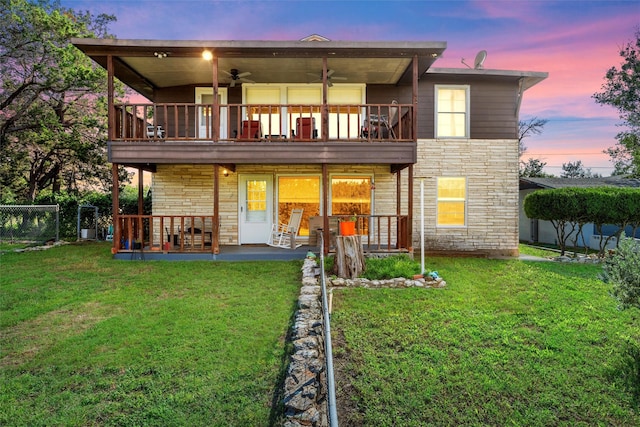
x,y
238,76
330,77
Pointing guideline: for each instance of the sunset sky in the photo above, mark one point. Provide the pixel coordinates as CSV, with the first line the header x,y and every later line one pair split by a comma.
x,y
574,41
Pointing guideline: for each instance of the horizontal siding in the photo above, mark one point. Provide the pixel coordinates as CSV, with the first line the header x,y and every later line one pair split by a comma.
x,y
493,105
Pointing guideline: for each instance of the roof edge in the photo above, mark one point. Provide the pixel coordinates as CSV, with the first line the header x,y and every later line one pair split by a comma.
x,y
531,77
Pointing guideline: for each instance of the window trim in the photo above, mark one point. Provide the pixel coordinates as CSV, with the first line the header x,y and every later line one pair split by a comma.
x,y
465,200
467,113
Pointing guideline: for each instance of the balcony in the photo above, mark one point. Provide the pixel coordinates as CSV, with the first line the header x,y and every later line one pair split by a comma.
x,y
241,133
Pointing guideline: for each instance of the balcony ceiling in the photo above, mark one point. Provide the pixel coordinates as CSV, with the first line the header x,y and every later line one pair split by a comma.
x,y
137,65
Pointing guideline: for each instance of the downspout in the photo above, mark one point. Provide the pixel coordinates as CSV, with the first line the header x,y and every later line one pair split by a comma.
x,y
520,95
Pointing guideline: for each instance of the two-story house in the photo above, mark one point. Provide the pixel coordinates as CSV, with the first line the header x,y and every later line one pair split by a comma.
x,y
238,133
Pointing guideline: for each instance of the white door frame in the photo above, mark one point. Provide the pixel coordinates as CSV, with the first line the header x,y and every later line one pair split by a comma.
x,y
222,95
254,228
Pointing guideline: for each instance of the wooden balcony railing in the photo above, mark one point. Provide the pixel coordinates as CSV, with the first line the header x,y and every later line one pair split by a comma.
x,y
167,233
195,233
261,122
380,233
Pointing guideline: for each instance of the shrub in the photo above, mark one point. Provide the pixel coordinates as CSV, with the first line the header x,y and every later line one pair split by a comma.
x,y
391,267
622,270
627,368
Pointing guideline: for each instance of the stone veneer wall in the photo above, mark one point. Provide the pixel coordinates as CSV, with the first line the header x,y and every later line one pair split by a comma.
x,y
490,166
491,169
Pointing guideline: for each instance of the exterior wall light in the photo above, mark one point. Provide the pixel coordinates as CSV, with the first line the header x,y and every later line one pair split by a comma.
x,y
207,55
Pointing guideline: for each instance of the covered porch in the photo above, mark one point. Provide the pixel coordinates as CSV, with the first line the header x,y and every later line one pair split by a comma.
x,y
191,237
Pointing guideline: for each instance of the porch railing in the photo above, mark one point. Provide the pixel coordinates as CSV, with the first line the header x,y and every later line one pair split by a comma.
x,y
167,233
263,122
380,233
200,233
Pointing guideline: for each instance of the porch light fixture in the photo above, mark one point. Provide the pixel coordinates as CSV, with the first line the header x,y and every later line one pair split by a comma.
x,y
207,55
160,55
225,173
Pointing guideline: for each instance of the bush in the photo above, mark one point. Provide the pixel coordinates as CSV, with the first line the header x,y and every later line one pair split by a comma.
x,y
627,368
622,270
391,267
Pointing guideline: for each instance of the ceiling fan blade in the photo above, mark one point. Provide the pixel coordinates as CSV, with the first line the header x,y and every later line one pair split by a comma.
x,y
329,83
227,73
330,72
233,83
245,74
338,78
247,80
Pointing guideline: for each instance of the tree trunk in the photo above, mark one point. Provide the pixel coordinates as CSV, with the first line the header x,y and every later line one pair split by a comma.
x,y
349,261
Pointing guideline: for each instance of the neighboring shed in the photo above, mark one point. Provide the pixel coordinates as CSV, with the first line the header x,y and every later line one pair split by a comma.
x,y
535,231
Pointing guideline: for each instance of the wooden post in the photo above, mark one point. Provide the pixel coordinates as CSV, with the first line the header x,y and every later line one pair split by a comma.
x,y
349,258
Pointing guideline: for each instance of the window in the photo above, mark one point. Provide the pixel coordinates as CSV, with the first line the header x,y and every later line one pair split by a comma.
x,y
265,96
452,197
298,192
452,111
350,195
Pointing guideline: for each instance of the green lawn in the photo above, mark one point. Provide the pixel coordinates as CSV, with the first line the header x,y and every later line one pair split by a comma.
x,y
505,343
87,340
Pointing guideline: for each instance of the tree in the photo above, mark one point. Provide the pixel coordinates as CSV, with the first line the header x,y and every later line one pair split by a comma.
x,y
577,170
622,91
526,128
52,101
533,168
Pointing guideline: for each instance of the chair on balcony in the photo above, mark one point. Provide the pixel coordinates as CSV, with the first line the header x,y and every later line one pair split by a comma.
x,y
374,123
251,130
155,132
284,235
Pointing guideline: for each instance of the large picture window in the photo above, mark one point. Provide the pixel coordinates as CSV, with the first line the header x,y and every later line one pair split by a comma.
x,y
452,200
350,195
295,192
452,111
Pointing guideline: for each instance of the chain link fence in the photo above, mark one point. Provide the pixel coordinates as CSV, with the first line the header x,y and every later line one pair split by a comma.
x,y
29,223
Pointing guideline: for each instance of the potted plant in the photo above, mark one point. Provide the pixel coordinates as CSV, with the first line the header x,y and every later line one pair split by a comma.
x,y
348,226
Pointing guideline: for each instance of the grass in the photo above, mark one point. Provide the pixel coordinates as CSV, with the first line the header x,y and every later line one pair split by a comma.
x,y
505,343
88,340
539,251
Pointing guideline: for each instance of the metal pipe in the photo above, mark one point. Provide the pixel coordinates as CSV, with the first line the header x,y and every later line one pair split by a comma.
x,y
331,388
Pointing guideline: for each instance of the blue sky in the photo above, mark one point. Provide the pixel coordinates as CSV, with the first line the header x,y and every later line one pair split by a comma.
x,y
574,41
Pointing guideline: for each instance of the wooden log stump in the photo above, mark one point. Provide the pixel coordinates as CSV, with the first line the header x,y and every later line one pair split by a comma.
x,y
349,262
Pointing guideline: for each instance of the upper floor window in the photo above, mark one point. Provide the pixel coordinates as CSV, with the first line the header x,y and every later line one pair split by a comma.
x,y
452,200
452,111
